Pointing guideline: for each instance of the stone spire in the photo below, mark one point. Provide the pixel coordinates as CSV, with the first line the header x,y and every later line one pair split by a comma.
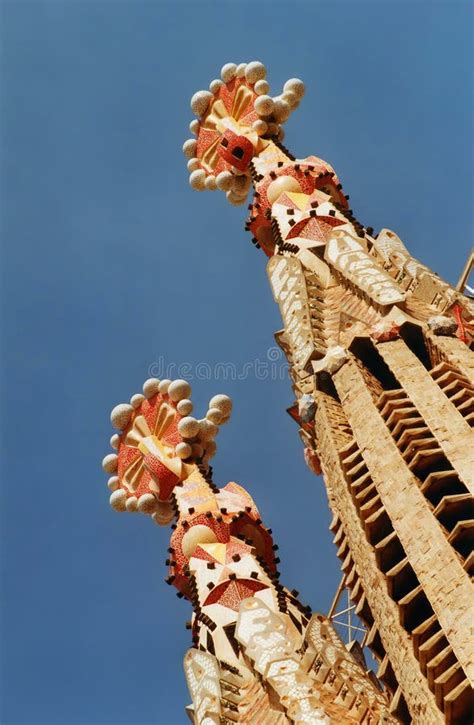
x,y
383,379
258,654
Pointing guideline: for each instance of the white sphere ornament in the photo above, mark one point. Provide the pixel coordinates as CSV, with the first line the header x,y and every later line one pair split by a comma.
x,y
215,85
188,427
214,415
183,450
109,463
289,98
261,87
150,387
118,500
194,126
179,390
241,185
113,483
164,513
120,415
260,127
296,86
207,430
189,148
115,441
224,180
163,386
184,407
147,503
197,180
131,503
136,400
264,105
255,71
240,72
211,182
200,102
228,72
235,199
193,164
281,111
222,403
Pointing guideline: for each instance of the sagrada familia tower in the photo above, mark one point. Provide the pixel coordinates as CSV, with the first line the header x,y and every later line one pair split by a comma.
x,y
382,376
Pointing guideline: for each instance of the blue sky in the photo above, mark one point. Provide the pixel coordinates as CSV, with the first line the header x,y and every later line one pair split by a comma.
x,y
110,263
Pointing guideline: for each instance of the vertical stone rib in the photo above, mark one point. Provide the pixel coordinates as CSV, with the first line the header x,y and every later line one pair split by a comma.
x,y
451,430
395,639
434,562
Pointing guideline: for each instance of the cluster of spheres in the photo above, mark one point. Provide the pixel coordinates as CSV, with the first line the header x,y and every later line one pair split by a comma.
x,y
257,118
158,440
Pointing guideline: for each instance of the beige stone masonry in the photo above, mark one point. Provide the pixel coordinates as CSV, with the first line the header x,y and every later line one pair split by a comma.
x,y
451,430
434,562
456,352
396,641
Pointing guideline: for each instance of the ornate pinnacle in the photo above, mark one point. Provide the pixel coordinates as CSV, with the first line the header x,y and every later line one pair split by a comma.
x,y
237,120
159,445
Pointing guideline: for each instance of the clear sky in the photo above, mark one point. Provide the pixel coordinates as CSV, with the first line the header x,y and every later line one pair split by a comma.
x,y
112,266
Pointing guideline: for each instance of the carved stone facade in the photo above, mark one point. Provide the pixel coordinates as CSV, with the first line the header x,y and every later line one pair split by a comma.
x,y
382,373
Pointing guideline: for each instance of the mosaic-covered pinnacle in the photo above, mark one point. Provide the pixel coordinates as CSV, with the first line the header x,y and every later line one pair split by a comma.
x,y
158,446
237,120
